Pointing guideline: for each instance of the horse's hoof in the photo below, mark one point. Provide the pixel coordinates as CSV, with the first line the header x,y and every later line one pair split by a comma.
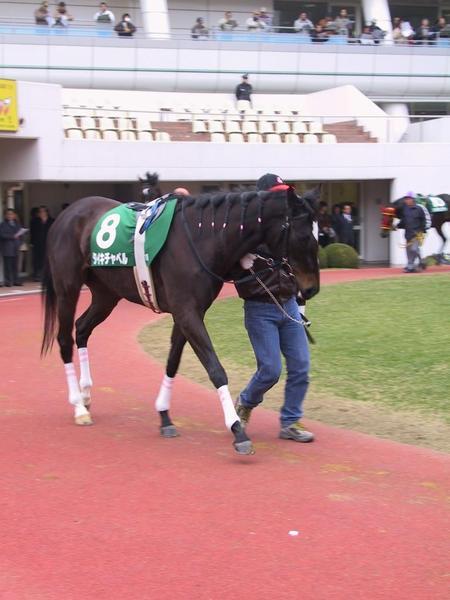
x,y
244,447
84,420
169,431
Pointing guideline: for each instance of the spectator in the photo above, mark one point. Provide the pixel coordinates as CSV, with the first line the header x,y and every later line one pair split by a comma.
x,y
227,23
318,34
265,18
326,232
125,27
303,24
42,15
346,233
39,227
335,220
244,90
199,29
442,29
403,30
425,34
254,24
377,33
366,37
343,24
413,222
104,15
62,16
10,240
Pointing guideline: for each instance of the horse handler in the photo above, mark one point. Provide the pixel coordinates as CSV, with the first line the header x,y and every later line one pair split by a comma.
x,y
414,224
273,334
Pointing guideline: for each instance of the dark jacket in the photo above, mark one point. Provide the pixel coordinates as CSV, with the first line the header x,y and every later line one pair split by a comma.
x,y
125,28
243,91
413,221
346,233
9,245
282,285
39,232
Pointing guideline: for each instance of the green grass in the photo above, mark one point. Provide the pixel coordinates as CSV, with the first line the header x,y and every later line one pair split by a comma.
x,y
386,341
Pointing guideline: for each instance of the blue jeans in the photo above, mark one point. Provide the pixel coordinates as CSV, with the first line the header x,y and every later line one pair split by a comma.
x,y
272,334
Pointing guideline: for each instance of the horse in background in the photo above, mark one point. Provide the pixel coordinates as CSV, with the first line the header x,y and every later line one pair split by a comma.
x,y
395,210
208,236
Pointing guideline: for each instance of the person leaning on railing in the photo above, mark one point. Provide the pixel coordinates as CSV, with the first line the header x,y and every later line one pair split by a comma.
x,y
199,29
125,27
62,15
303,24
104,15
442,28
424,33
42,15
227,23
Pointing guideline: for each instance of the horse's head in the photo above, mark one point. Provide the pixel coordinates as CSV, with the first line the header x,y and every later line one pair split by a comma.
x,y
296,242
388,213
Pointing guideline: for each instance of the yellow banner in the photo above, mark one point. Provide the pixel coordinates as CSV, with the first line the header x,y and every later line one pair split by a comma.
x,y
9,120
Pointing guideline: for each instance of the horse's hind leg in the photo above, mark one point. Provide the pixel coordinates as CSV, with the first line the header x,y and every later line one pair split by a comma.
x,y
67,302
162,403
103,302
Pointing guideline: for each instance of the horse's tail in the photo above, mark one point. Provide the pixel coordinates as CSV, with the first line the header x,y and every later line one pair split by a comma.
x,y
50,304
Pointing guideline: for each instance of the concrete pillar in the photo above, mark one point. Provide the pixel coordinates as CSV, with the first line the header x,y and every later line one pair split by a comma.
x,y
378,10
155,18
397,126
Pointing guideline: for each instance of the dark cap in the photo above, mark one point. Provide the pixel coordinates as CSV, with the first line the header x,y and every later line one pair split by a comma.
x,y
245,76
268,181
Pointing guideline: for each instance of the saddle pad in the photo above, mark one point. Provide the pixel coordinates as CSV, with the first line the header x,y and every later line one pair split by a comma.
x,y
112,240
434,204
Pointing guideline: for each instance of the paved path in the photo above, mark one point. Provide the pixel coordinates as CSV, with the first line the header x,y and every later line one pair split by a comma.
x,y
115,512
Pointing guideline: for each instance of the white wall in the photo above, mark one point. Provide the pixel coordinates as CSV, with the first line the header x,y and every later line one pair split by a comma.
x,y
434,130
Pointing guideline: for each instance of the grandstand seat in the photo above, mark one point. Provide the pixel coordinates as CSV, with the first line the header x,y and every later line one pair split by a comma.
x,y
315,127
145,136
92,134
218,138
110,135
74,133
254,138
232,127
265,127
291,138
162,136
199,127
69,122
243,105
236,138
329,138
273,138
310,138
249,127
88,122
128,135
282,127
106,123
299,127
143,124
215,127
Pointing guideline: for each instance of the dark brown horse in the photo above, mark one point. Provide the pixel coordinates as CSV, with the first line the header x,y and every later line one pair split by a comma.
x,y
395,210
188,273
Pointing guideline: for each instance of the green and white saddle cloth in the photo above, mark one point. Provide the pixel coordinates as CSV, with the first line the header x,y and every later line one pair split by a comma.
x,y
123,237
434,204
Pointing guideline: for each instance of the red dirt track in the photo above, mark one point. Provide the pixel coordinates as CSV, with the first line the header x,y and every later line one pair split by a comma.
x,y
115,512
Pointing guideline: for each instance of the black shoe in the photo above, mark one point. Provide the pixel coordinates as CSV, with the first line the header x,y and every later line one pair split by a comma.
x,y
8,284
406,270
18,284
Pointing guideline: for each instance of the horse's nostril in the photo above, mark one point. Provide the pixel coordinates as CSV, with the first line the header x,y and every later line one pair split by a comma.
x,y
310,292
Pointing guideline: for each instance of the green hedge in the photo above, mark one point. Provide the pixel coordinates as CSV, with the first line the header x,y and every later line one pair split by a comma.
x,y
323,260
341,256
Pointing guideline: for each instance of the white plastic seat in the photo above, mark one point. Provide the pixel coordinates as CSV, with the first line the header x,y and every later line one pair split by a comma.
x,y
88,123
110,135
265,127
128,135
92,134
291,138
249,127
315,127
250,114
124,123
254,138
145,136
215,127
329,138
162,136
232,127
143,124
199,127
299,127
243,105
69,122
273,138
282,127
236,138
310,138
74,133
218,138
106,123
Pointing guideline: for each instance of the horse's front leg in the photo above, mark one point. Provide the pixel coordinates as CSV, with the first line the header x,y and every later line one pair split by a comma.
x,y
441,258
163,400
194,330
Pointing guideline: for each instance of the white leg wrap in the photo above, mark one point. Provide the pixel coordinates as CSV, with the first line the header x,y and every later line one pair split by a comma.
x,y
75,397
227,406
165,394
85,373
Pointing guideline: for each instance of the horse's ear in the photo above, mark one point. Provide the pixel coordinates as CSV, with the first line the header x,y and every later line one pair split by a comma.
x,y
151,179
312,198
